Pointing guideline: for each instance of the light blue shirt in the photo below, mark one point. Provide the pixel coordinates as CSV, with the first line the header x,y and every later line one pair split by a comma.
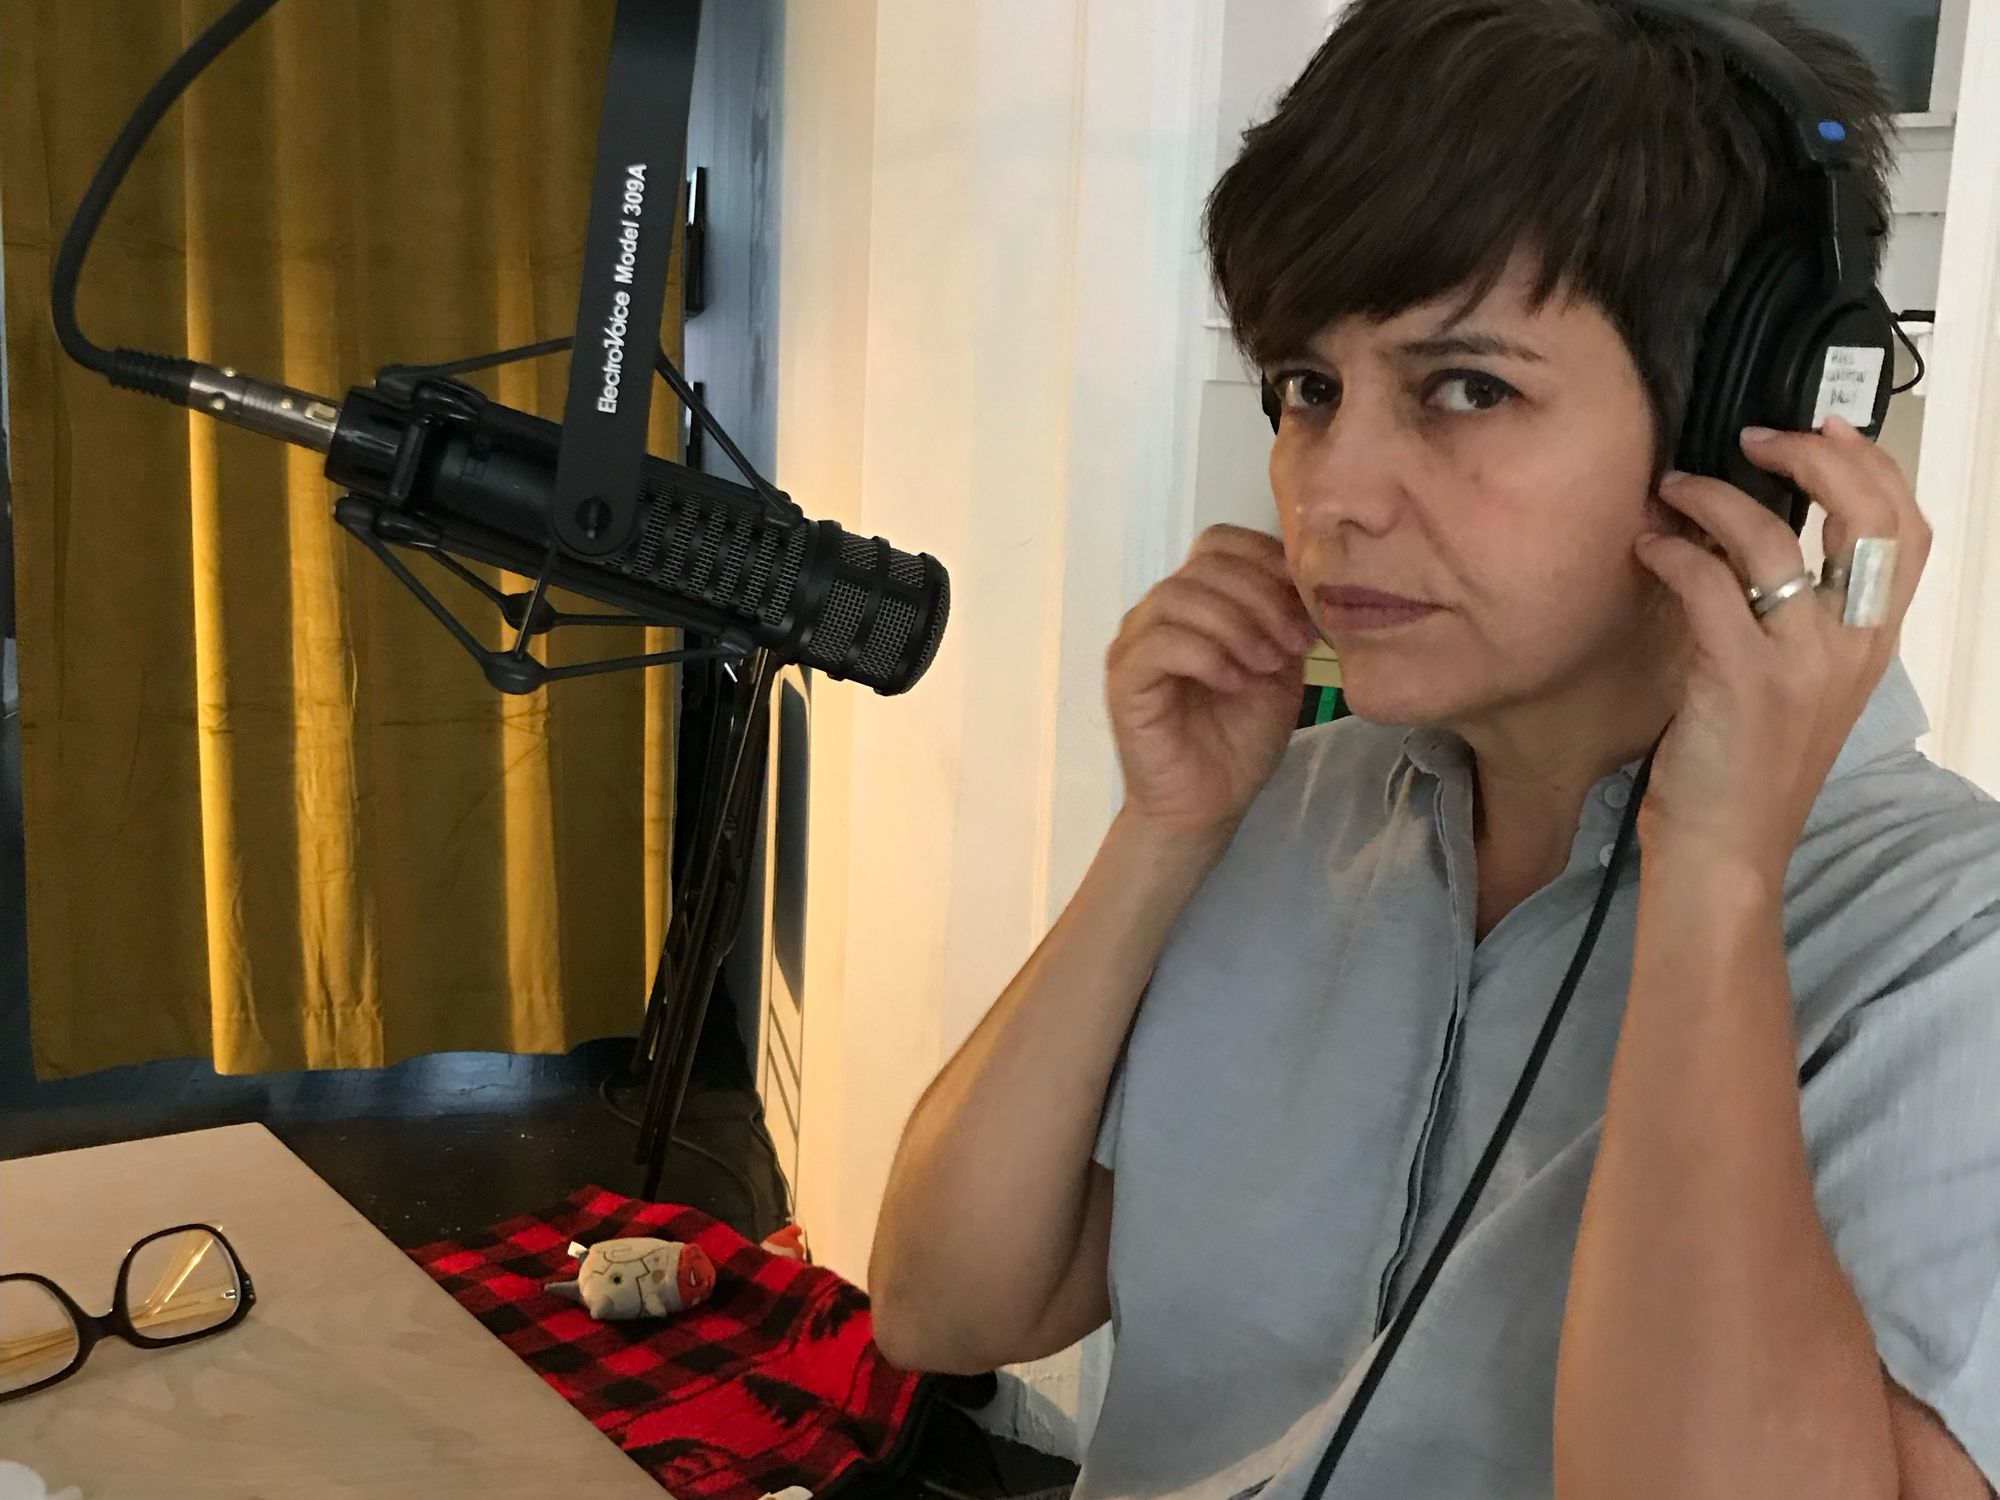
x,y
1325,1049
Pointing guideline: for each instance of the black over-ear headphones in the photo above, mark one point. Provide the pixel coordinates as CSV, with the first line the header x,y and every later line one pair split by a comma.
x,y
1800,330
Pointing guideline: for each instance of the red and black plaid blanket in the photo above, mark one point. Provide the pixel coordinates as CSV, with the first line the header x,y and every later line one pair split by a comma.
x,y
774,1382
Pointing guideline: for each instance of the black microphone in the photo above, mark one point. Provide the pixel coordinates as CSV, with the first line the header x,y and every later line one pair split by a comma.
x,y
432,463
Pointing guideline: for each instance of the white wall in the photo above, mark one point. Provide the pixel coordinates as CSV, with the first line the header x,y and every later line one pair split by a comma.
x,y
827,154
1950,637
988,261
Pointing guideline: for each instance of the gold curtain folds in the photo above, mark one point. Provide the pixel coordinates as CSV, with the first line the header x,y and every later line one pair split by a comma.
x,y
273,814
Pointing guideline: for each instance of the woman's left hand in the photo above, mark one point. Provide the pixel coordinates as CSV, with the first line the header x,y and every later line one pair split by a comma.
x,y
1769,703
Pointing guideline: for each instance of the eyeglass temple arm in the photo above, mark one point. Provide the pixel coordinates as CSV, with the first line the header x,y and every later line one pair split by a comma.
x,y
16,1351
26,1347
174,1276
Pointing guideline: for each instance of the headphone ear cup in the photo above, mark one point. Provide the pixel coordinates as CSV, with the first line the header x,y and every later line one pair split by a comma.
x,y
1738,368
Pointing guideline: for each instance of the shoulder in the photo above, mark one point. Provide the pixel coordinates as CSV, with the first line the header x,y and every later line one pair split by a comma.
x,y
1902,821
1895,885
1888,814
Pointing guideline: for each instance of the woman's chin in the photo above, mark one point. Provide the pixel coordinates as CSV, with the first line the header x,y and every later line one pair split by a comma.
x,y
1388,696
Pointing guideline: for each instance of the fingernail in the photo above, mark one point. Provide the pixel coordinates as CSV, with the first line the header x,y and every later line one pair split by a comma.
x,y
1674,477
1759,434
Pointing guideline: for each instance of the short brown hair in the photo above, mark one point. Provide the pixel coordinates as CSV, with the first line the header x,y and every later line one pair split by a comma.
x,y
1429,140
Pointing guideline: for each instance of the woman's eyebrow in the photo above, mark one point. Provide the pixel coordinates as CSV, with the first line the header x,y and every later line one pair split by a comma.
x,y
1472,342
1306,356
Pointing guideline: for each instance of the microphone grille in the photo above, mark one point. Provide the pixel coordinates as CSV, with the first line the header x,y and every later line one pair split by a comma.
x,y
856,615
728,556
898,585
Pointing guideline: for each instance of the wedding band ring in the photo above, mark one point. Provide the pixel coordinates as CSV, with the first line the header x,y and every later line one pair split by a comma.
x,y
1764,601
1871,583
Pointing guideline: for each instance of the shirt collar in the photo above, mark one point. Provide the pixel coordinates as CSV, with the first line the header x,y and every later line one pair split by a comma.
x,y
1893,721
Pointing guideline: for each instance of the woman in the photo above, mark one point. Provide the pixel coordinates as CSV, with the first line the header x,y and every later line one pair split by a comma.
x,y
1745,1239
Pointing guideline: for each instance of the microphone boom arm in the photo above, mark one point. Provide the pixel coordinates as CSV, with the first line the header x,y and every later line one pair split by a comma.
x,y
628,246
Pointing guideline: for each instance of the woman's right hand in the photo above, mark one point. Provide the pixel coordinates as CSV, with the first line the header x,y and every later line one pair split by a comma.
x,y
1205,682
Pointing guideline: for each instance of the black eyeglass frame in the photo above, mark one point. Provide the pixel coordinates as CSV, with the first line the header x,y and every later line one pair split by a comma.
x,y
92,1330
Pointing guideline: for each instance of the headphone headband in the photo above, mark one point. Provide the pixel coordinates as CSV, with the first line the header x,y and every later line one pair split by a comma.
x,y
1820,138
1765,63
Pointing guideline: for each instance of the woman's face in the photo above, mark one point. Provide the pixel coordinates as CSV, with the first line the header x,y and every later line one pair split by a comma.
x,y
1459,501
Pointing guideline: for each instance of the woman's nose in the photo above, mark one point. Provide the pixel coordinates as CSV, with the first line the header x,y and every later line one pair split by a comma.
x,y
1353,469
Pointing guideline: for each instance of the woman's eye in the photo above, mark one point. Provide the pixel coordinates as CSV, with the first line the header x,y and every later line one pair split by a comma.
x,y
1306,390
1468,391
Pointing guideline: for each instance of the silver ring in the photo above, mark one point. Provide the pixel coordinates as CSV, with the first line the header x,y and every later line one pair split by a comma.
x,y
1764,601
1835,577
1871,583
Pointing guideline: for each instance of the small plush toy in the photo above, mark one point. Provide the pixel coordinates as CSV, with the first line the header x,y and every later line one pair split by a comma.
x,y
621,1279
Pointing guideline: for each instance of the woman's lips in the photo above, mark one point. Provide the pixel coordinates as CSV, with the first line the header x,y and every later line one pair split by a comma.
x,y
1351,609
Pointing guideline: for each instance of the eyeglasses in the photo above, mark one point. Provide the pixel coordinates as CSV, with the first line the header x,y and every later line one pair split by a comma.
x,y
175,1286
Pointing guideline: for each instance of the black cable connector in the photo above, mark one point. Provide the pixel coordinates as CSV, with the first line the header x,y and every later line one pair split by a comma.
x,y
165,375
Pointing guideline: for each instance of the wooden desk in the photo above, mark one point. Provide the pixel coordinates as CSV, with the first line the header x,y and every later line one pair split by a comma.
x,y
354,1376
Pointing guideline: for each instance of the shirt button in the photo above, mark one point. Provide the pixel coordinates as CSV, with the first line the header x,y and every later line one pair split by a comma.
x,y
1604,855
1618,794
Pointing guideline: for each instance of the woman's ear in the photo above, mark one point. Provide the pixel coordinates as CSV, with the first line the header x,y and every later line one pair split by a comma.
x,y
1663,518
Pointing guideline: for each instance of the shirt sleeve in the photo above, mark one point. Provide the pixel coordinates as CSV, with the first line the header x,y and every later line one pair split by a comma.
x,y
1902,1118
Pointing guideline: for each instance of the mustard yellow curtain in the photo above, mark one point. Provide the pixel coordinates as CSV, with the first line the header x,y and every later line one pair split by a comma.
x,y
273,814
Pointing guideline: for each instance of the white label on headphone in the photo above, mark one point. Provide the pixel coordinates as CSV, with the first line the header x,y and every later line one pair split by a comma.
x,y
1848,385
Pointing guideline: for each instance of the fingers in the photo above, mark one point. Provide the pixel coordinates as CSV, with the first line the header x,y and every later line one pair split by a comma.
x,y
1759,546
1232,613
1249,568
1273,603
1255,547
1846,475
1710,594
1862,489
1229,608
1168,650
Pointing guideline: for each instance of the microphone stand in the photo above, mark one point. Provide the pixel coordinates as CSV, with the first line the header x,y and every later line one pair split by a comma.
x,y
710,887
